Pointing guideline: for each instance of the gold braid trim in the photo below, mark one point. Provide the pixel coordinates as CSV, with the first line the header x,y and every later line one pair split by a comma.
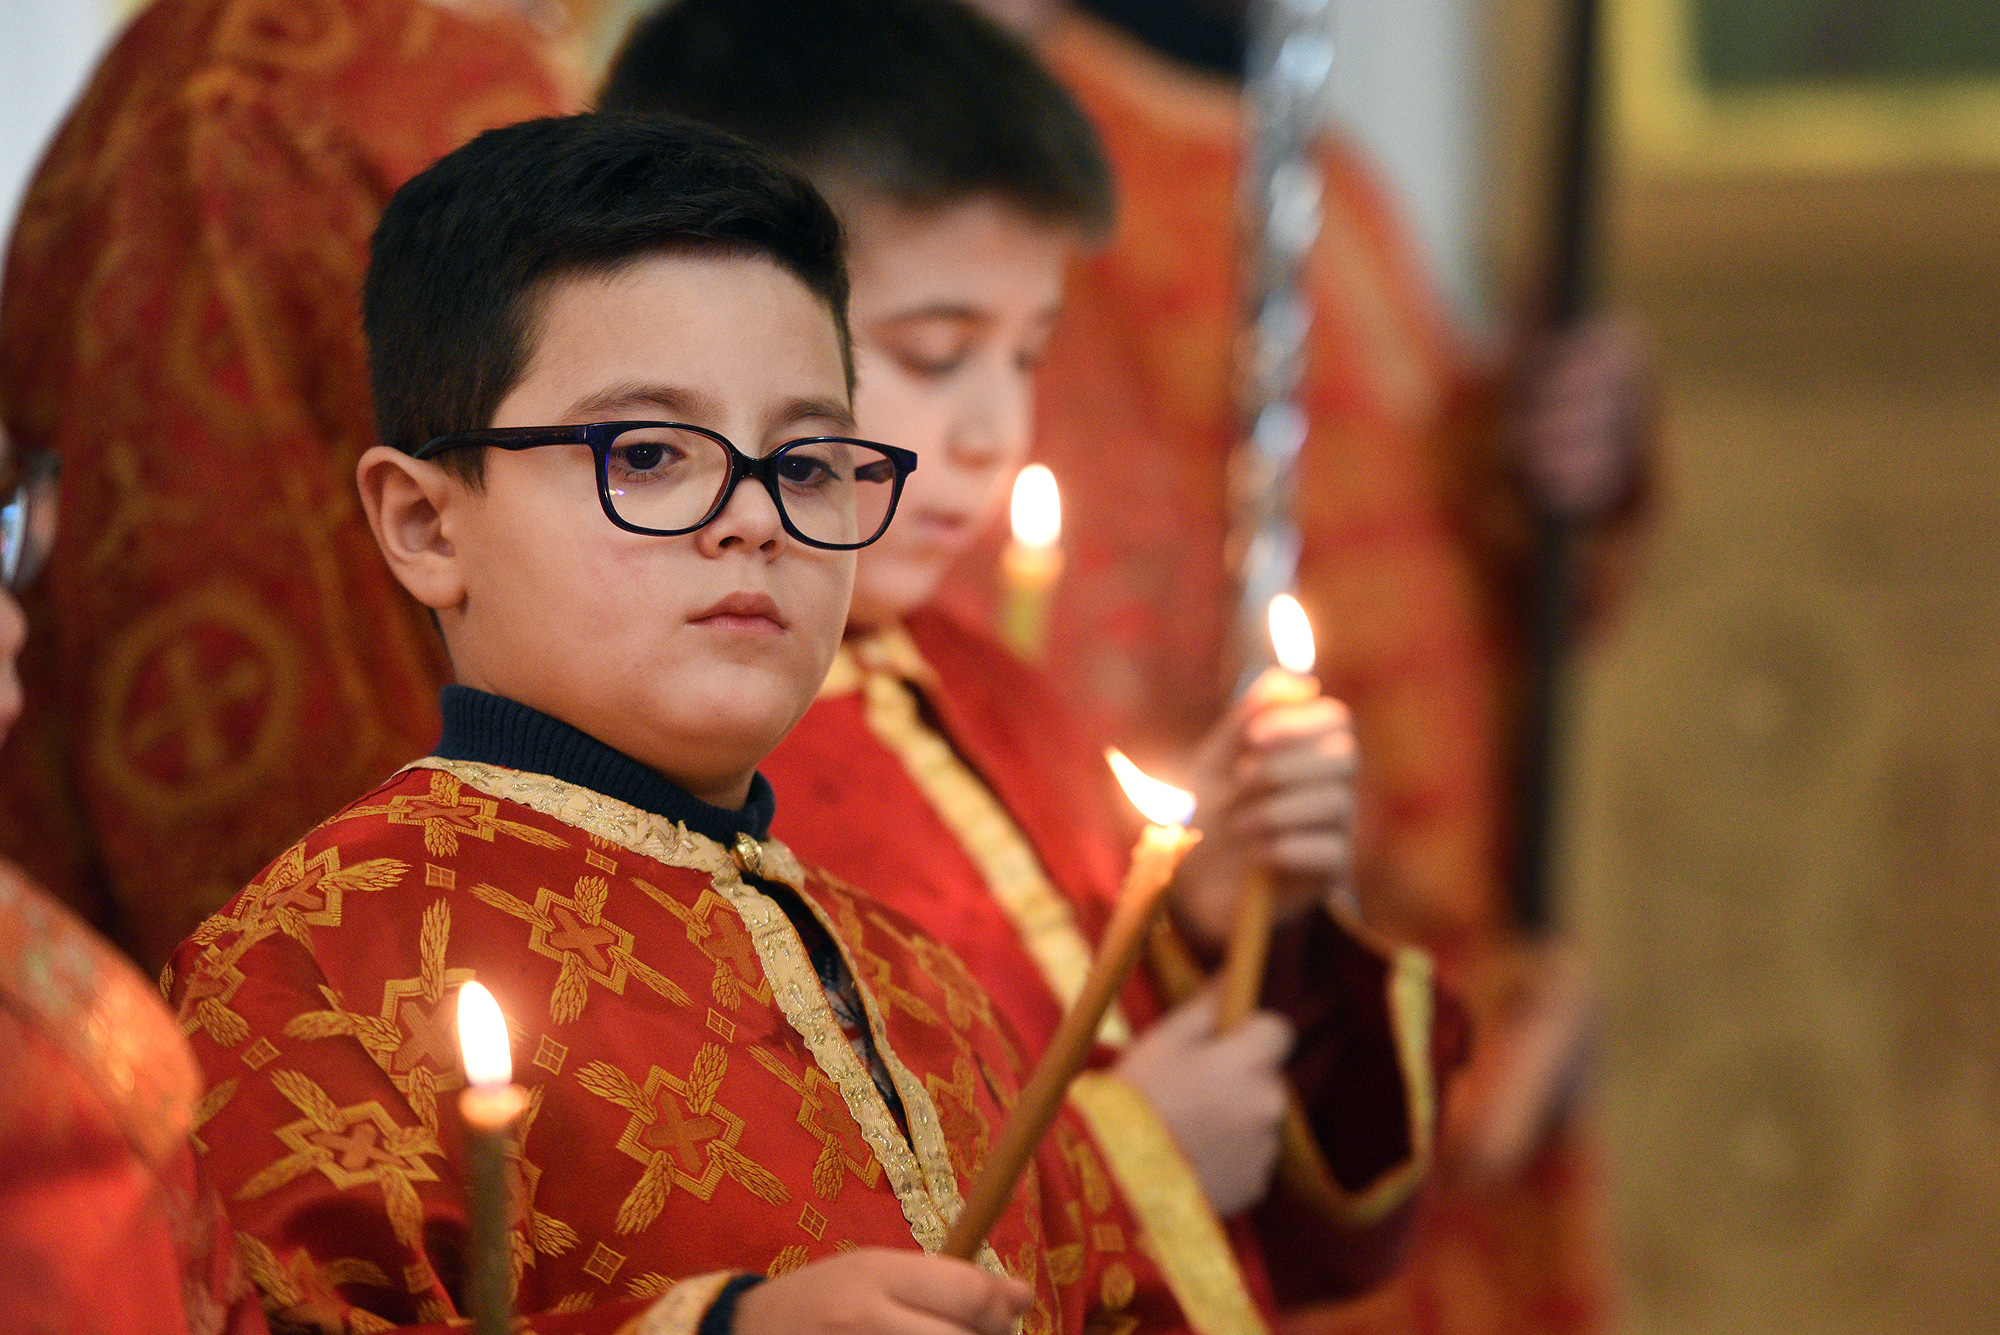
x,y
881,667
927,1193
933,1152
1304,1170
680,1309
1187,1242
1301,1167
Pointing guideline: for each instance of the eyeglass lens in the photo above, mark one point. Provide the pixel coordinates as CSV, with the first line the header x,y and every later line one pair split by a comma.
x,y
27,529
669,478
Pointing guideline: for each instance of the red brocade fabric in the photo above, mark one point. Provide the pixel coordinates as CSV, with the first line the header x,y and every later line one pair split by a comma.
x,y
105,1226
181,322
859,795
694,1106
1414,538
847,802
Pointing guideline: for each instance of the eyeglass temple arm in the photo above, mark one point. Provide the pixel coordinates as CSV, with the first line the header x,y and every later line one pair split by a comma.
x,y
506,438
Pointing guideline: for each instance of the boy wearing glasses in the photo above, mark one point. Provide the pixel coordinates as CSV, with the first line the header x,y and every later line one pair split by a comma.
x,y
611,371
945,775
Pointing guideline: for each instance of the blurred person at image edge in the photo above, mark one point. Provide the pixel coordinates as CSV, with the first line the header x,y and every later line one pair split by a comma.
x,y
105,1224
181,325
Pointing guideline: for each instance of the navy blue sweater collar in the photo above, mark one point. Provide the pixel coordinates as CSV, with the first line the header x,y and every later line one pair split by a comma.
x,y
493,730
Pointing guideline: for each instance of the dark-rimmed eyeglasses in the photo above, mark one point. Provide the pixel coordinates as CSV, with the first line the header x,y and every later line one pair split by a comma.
x,y
666,479
28,520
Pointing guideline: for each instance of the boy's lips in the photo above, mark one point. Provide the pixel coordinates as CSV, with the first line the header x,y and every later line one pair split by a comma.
x,y
742,611
937,527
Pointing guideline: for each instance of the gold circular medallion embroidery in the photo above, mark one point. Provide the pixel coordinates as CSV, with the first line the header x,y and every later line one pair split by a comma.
x,y
197,703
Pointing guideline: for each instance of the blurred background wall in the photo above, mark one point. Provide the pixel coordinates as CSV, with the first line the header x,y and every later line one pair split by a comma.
x,y
1786,838
1788,857
1787,844
47,48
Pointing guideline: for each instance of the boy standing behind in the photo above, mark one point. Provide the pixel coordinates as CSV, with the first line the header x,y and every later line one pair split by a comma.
x,y
736,1069
935,768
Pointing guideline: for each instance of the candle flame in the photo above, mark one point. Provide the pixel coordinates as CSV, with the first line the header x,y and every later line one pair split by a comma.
x,y
1037,507
482,1039
1292,635
1158,802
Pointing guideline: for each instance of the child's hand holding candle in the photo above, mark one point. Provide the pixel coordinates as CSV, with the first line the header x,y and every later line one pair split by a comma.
x,y
1276,783
1289,683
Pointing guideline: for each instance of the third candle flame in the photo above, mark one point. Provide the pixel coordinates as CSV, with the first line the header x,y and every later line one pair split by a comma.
x,y
1037,507
1160,803
1292,635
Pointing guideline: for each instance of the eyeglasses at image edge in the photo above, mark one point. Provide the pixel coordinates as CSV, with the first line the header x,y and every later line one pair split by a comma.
x,y
27,520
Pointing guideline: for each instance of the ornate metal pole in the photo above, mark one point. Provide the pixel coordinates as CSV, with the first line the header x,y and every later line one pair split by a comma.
x,y
1288,96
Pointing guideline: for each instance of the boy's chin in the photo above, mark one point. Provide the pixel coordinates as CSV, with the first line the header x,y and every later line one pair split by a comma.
x,y
891,594
745,718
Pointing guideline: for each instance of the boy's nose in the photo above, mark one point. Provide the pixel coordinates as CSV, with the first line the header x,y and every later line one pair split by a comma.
x,y
994,424
750,520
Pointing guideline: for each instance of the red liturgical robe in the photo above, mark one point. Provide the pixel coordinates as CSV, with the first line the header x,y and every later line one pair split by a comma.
x,y
182,323
695,1107
1414,543
105,1227
941,770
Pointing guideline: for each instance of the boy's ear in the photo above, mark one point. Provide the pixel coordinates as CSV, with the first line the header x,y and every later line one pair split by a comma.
x,y
409,503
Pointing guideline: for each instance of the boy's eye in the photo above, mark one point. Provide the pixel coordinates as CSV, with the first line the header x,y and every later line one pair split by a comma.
x,y
662,455
638,458
804,472
934,368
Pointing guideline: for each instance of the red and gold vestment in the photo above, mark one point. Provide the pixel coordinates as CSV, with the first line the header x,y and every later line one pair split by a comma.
x,y
695,1108
944,772
105,1225
182,323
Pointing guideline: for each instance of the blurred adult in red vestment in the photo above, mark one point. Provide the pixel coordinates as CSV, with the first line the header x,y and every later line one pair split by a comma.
x,y
181,323
1413,511
105,1226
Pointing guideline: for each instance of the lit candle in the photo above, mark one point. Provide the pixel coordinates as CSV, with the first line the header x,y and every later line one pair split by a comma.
x,y
1289,683
1162,845
491,1105
1033,561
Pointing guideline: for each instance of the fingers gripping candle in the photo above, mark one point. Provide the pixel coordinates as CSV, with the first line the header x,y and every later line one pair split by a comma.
x,y
491,1105
1162,845
1289,683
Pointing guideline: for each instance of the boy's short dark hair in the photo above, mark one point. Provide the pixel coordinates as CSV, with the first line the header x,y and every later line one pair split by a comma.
x,y
466,250
926,102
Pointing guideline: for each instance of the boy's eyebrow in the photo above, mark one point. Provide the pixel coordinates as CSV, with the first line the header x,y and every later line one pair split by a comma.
x,y
831,410
688,405
677,402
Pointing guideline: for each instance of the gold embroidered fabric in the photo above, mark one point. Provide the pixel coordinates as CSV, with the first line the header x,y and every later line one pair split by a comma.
x,y
881,666
919,1168
680,1309
1187,1241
